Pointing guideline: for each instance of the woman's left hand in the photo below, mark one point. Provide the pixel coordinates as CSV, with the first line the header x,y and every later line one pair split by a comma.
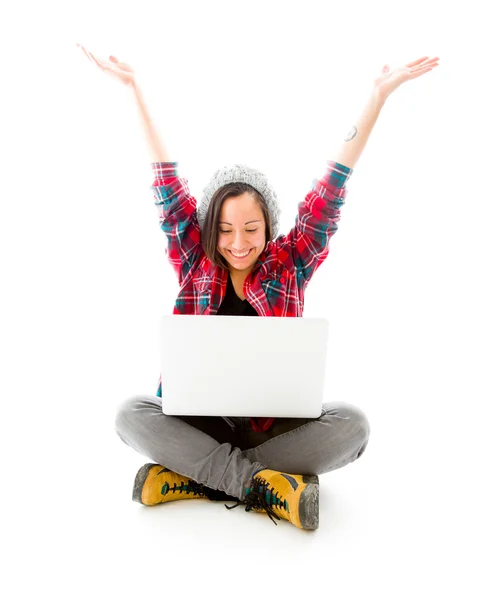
x,y
389,80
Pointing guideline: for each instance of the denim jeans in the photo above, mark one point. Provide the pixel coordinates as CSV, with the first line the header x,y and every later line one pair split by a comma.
x,y
222,453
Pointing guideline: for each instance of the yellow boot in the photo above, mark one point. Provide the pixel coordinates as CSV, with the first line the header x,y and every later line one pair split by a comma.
x,y
292,497
155,484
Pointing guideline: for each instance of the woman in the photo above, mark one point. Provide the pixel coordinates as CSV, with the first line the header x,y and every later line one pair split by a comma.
x,y
228,261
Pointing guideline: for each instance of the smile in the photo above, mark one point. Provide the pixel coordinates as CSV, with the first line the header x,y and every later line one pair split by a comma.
x,y
239,256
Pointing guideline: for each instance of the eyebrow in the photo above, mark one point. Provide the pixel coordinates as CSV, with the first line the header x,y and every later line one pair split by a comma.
x,y
255,221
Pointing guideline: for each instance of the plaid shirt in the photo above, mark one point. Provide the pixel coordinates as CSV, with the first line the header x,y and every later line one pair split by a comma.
x,y
276,285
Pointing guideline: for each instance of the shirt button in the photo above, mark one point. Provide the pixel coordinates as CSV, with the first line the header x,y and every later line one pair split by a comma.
x,y
282,280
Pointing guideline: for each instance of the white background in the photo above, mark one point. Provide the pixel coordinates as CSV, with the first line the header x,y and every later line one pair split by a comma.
x,y
85,279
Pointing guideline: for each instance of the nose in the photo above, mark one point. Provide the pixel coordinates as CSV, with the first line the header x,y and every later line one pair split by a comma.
x,y
239,241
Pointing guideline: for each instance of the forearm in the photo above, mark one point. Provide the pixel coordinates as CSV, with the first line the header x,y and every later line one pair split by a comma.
x,y
356,140
157,148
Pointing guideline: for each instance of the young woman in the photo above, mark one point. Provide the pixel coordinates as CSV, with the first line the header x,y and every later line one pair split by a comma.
x,y
229,260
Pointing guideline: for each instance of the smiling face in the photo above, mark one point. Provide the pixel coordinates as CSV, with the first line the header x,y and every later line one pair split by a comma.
x,y
241,229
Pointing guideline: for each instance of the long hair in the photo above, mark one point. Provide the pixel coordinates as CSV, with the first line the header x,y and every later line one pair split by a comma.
x,y
210,230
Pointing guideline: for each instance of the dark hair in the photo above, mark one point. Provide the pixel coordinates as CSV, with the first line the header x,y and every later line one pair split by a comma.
x,y
210,230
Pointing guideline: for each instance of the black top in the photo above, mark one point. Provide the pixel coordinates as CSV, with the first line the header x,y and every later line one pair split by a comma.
x,y
233,305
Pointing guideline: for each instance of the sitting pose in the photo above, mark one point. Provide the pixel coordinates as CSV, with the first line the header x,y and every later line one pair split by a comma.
x,y
229,260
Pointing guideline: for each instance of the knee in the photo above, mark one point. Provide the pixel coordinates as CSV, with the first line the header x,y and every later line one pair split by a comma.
x,y
360,430
131,411
123,416
359,420
354,424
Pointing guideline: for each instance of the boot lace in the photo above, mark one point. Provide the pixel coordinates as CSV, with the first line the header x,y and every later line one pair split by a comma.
x,y
191,486
260,498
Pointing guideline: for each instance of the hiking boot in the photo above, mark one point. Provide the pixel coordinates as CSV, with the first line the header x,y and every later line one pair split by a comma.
x,y
292,497
155,484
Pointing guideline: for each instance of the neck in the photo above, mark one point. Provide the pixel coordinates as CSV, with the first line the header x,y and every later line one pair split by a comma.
x,y
239,274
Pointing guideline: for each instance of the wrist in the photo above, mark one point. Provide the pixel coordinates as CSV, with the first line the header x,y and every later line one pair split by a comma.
x,y
134,84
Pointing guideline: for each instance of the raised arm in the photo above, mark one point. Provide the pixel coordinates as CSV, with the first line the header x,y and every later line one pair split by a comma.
x,y
156,145
126,74
356,140
386,83
317,221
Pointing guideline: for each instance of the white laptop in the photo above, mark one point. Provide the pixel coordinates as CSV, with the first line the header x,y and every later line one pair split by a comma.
x,y
241,366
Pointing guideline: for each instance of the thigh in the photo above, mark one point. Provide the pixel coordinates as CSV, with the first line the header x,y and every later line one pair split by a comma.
x,y
313,446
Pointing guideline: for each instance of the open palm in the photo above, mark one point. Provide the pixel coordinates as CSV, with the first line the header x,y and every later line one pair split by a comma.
x,y
389,80
120,71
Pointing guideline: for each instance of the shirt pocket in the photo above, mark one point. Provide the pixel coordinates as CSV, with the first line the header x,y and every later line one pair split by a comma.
x,y
280,290
278,281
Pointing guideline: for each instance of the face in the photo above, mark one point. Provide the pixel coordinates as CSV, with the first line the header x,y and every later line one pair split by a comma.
x,y
241,229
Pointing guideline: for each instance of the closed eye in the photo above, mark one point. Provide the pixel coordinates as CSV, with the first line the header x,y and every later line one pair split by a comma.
x,y
249,230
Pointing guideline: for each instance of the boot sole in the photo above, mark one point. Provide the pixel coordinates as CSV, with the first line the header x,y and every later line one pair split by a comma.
x,y
140,481
309,503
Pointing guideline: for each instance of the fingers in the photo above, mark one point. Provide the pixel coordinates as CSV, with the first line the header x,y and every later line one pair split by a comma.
x,y
88,54
425,67
418,72
416,62
425,60
85,51
94,59
432,62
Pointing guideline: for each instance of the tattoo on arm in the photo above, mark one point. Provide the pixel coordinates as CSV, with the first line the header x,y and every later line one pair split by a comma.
x,y
351,134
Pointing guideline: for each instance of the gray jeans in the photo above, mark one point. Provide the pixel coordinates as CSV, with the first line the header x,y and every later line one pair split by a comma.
x,y
222,453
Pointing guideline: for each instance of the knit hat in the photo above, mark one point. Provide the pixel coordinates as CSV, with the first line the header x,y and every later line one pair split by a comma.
x,y
244,174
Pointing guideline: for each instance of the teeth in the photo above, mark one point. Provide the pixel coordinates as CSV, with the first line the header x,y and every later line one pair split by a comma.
x,y
240,255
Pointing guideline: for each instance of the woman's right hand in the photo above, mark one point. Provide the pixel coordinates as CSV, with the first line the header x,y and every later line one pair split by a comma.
x,y
120,71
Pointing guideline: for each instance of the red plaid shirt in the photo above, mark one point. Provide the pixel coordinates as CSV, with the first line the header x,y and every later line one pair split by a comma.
x,y
276,285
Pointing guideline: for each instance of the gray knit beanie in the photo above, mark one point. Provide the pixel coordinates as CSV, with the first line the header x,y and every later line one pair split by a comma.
x,y
245,174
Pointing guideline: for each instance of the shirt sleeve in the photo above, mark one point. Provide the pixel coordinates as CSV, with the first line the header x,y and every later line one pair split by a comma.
x,y
177,216
336,175
317,220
